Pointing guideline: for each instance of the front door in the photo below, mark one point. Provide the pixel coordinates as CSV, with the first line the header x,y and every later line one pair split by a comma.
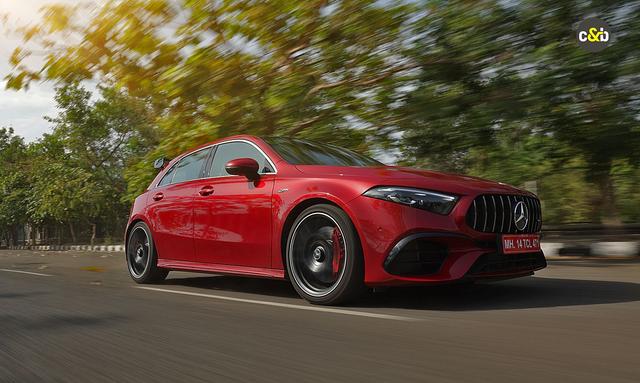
x,y
232,215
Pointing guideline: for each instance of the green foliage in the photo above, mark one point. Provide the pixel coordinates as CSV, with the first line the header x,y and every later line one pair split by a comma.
x,y
64,194
500,75
491,88
74,176
13,183
272,68
626,181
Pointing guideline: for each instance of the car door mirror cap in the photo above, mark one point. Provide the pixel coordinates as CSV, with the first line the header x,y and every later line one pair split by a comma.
x,y
247,167
160,163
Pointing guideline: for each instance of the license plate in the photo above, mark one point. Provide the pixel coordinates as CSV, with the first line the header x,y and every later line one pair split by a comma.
x,y
519,243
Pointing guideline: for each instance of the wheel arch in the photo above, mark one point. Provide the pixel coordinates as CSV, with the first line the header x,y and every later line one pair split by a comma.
x,y
295,213
131,224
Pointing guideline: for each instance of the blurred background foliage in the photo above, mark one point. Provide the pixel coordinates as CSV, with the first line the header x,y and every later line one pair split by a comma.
x,y
498,89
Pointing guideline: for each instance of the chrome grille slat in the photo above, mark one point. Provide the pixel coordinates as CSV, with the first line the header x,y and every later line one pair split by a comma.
x,y
502,214
493,213
539,226
529,224
539,216
475,213
526,203
509,214
532,214
486,213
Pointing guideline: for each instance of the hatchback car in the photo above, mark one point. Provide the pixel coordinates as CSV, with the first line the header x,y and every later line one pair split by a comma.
x,y
330,220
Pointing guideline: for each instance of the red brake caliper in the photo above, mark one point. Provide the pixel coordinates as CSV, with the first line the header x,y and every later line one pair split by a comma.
x,y
338,252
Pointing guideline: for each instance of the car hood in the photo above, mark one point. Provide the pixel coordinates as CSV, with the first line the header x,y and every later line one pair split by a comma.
x,y
410,177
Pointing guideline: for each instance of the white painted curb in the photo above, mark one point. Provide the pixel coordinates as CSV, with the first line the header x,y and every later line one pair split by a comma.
x,y
102,248
616,249
550,249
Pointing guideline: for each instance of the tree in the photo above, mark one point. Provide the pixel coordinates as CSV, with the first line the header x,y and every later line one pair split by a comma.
x,y
14,185
73,177
453,85
315,69
496,73
103,137
80,176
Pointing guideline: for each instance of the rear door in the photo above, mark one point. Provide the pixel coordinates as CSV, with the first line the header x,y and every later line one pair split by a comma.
x,y
232,220
170,208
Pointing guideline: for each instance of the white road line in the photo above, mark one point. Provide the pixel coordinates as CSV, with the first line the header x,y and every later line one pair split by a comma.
x,y
285,305
26,272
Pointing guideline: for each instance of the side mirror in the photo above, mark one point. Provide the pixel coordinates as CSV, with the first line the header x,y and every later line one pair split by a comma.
x,y
247,167
160,163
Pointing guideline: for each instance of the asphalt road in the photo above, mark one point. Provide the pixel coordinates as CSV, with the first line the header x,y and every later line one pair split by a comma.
x,y
77,317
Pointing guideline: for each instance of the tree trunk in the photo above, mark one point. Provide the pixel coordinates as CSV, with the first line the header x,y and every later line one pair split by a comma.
x,y
72,232
607,204
93,233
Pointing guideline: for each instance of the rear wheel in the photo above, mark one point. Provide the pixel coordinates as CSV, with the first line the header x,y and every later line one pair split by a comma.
x,y
142,259
324,258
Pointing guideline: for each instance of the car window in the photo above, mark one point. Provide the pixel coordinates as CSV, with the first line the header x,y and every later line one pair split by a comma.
x,y
189,167
303,152
166,180
231,151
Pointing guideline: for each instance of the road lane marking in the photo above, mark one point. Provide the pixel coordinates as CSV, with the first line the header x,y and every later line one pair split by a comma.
x,y
285,305
26,272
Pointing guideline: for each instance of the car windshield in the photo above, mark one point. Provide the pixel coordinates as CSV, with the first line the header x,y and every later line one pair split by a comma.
x,y
303,152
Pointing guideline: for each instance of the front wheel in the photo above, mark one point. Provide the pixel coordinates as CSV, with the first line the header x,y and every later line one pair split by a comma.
x,y
324,257
142,258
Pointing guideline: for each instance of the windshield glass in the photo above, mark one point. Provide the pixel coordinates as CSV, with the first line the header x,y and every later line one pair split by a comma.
x,y
302,152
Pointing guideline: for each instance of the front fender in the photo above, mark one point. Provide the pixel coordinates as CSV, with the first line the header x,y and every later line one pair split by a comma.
x,y
291,195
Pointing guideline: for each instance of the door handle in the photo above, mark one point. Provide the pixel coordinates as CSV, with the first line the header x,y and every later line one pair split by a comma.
x,y
206,190
158,196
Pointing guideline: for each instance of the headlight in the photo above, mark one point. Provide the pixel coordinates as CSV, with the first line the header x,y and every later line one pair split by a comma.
x,y
422,199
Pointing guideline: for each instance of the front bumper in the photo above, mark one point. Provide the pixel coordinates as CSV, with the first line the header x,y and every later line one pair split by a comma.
x,y
404,245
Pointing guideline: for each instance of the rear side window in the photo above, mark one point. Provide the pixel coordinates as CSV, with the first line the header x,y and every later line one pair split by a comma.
x,y
233,150
187,169
166,180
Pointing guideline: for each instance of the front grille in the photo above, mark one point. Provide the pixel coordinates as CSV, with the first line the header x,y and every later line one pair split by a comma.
x,y
495,263
493,213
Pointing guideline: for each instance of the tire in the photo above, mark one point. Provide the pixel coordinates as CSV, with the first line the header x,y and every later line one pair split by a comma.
x,y
142,258
324,258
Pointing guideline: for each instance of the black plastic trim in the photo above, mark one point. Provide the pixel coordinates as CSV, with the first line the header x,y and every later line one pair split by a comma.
x,y
507,264
404,241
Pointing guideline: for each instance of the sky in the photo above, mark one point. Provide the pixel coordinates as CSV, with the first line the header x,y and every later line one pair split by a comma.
x,y
24,110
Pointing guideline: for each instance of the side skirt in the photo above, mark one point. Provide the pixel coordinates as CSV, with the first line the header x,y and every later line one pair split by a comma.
x,y
221,269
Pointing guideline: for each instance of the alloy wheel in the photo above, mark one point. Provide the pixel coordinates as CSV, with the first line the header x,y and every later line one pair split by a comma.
x,y
318,250
138,252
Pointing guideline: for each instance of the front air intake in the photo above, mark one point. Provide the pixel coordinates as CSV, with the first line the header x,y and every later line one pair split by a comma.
x,y
417,257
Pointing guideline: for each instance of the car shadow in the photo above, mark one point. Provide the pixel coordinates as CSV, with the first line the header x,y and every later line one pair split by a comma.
x,y
594,263
522,293
270,287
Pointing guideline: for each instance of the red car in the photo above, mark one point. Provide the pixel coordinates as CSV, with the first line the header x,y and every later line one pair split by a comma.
x,y
330,220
